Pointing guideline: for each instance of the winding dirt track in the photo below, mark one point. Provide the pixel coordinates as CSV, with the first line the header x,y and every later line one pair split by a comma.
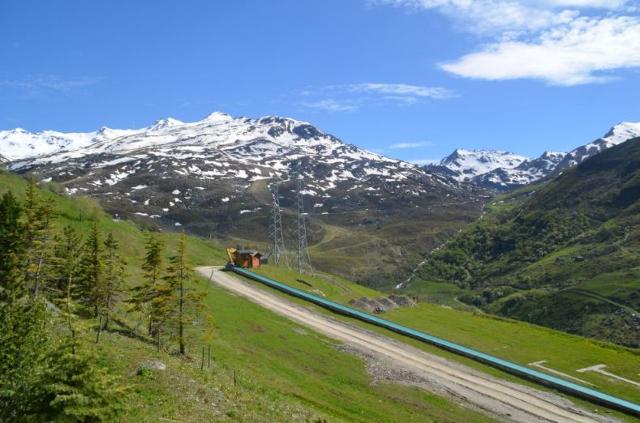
x,y
502,399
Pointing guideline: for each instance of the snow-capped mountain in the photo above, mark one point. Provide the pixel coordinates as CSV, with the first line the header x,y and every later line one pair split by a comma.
x,y
525,173
216,147
20,144
499,170
464,165
618,134
211,177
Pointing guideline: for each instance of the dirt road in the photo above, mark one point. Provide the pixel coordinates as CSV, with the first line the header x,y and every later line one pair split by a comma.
x,y
502,399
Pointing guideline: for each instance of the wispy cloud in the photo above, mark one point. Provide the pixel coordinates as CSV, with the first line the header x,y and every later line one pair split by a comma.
x,y
402,92
350,97
562,42
409,145
49,83
331,105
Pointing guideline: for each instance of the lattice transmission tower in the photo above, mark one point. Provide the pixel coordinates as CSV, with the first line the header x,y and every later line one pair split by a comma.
x,y
278,252
303,261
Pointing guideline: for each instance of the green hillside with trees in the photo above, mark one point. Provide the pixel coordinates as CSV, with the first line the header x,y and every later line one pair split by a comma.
x,y
564,253
101,320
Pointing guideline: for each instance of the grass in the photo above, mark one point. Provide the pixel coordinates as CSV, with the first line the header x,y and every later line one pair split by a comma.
x,y
562,253
514,340
284,372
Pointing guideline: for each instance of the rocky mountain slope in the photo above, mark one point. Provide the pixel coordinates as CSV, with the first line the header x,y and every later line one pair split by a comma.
x,y
501,170
563,253
371,217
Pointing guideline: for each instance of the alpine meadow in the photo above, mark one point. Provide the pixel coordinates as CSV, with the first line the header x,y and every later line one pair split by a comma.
x,y
320,211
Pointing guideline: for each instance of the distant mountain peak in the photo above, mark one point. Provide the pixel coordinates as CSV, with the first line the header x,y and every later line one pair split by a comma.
x,y
218,117
497,169
466,164
622,132
165,123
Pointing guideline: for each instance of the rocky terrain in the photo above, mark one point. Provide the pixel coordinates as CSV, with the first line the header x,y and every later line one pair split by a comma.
x,y
371,217
502,171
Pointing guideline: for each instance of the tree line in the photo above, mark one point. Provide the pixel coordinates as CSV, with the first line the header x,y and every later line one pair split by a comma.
x,y
56,288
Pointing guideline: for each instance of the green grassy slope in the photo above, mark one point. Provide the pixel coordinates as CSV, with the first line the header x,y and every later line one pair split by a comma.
x,y
517,341
284,372
564,254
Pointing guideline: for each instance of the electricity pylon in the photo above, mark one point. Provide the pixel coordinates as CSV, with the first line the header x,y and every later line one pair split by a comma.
x,y
303,261
278,252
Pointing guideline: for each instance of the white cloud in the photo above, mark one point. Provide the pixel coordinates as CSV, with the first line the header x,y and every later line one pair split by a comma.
x,y
562,42
331,105
349,97
494,16
49,83
574,54
402,92
408,145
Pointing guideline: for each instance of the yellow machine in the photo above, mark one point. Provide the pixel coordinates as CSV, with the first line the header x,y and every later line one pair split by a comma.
x,y
231,254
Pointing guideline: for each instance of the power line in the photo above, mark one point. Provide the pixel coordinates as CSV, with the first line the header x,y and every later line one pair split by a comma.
x,y
303,261
278,252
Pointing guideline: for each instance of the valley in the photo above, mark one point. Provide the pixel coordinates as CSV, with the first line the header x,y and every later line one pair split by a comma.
x,y
538,253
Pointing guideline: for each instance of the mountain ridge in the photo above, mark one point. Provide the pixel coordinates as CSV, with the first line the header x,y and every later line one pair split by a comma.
x,y
562,253
502,171
212,177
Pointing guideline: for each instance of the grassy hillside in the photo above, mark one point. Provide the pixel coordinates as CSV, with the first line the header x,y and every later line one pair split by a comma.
x,y
563,254
283,372
374,247
520,342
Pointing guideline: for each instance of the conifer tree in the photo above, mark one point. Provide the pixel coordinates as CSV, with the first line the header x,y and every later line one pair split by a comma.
x,y
91,269
143,295
43,376
38,214
75,388
11,248
67,252
25,346
187,302
112,282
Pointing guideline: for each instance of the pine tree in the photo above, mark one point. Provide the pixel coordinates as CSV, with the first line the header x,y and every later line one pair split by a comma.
x,y
91,271
11,248
25,345
73,386
143,296
187,302
78,390
43,376
112,282
66,255
38,214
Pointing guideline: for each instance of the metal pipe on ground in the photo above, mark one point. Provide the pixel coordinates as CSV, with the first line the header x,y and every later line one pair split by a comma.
x,y
505,365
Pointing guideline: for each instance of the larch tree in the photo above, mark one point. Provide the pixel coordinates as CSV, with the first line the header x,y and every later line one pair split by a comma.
x,y
112,281
91,271
44,375
65,259
38,214
187,301
143,295
12,248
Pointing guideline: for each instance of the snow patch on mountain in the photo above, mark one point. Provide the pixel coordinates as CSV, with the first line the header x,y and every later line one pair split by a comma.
x,y
620,133
502,170
467,164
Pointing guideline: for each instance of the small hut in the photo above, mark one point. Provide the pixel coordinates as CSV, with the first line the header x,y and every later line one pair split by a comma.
x,y
247,258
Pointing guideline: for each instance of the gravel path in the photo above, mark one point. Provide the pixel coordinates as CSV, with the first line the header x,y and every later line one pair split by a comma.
x,y
505,400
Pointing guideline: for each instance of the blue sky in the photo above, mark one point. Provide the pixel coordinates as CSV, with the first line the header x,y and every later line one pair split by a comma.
x,y
412,79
